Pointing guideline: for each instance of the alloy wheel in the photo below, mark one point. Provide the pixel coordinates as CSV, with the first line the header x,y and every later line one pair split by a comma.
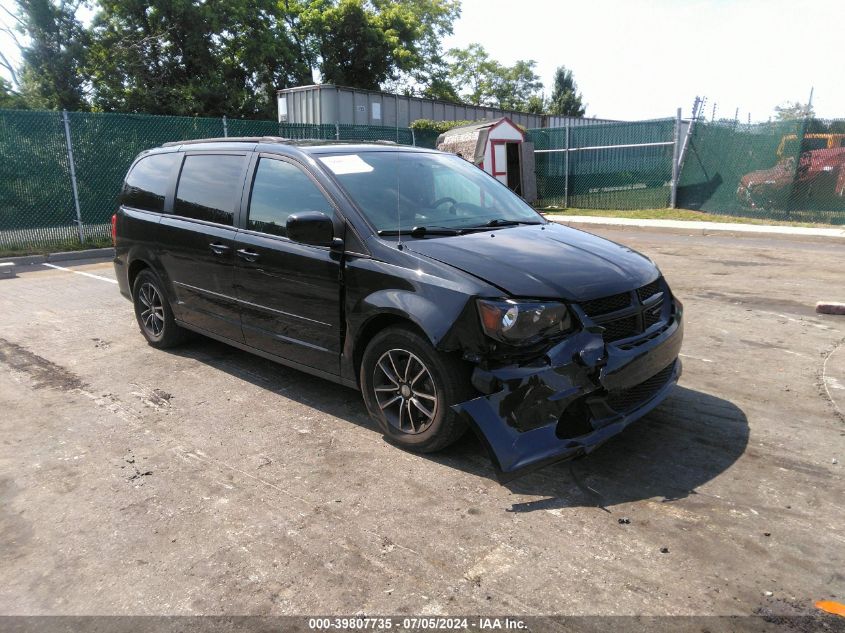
x,y
404,391
152,309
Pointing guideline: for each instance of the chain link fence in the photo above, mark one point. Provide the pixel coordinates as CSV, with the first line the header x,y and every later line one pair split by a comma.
x,y
426,138
609,166
36,201
786,170
60,173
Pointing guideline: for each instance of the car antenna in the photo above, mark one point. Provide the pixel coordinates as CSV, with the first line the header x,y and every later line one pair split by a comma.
x,y
398,223
398,212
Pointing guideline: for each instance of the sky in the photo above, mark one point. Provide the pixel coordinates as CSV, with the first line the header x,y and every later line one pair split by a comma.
x,y
641,59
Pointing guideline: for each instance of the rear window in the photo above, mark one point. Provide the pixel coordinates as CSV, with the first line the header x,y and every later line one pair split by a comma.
x,y
146,185
209,188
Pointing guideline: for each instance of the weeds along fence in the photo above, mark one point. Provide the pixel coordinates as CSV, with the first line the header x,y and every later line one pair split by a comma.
x,y
60,172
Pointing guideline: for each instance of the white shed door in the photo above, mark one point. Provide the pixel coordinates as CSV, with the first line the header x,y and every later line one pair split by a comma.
x,y
500,162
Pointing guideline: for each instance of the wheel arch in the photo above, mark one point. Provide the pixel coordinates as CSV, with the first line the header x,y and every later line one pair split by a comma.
x,y
376,323
441,318
135,267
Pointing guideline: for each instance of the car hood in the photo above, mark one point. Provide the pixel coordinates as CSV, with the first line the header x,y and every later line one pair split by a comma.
x,y
543,261
771,175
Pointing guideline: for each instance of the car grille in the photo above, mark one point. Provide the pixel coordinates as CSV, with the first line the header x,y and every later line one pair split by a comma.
x,y
649,290
633,398
620,328
653,315
627,314
597,307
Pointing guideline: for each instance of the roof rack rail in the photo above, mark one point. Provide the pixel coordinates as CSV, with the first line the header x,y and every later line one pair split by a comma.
x,y
274,139
230,139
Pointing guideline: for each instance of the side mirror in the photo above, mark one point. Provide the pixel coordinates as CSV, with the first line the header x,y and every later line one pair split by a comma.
x,y
311,227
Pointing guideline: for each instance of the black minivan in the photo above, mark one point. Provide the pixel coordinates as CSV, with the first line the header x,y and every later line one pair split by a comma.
x,y
409,274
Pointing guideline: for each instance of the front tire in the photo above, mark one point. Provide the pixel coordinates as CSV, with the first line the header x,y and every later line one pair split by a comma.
x,y
153,313
409,389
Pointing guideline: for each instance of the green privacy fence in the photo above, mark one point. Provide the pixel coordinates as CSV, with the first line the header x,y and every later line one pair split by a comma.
x,y
787,170
38,204
426,138
36,200
607,166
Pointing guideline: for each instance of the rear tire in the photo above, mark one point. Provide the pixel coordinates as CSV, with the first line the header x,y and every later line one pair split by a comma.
x,y
409,389
153,313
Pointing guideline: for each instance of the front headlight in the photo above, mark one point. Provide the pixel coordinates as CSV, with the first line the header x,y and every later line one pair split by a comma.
x,y
522,322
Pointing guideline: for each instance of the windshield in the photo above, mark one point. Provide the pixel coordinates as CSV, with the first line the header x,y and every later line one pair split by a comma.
x,y
407,190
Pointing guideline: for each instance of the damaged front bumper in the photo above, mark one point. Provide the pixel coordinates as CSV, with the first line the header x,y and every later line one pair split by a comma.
x,y
578,396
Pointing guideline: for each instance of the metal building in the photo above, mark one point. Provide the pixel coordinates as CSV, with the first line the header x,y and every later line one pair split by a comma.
x,y
329,104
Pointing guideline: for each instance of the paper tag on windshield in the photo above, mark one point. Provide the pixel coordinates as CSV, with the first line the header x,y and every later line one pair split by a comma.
x,y
346,164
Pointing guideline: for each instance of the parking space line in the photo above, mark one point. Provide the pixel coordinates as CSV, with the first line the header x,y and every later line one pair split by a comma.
x,y
79,272
703,360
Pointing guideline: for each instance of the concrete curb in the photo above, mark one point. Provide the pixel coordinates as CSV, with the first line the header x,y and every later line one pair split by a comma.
x,y
90,253
830,307
699,228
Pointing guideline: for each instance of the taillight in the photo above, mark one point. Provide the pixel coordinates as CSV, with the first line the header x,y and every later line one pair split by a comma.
x,y
114,230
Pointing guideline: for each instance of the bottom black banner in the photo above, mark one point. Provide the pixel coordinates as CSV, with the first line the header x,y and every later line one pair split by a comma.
x,y
761,623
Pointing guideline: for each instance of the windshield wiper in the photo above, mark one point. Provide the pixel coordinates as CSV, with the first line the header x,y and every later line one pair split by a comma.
x,y
496,223
503,222
420,231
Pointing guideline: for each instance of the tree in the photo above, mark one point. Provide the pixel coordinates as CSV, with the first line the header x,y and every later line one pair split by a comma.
x,y
9,98
423,69
793,110
473,69
359,46
52,74
536,104
189,58
230,56
565,99
438,85
514,87
490,83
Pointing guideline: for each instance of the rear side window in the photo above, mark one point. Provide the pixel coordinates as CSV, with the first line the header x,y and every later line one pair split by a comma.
x,y
209,188
146,185
279,190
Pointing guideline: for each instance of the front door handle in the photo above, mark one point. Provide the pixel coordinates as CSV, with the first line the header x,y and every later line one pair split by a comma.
x,y
249,256
218,249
